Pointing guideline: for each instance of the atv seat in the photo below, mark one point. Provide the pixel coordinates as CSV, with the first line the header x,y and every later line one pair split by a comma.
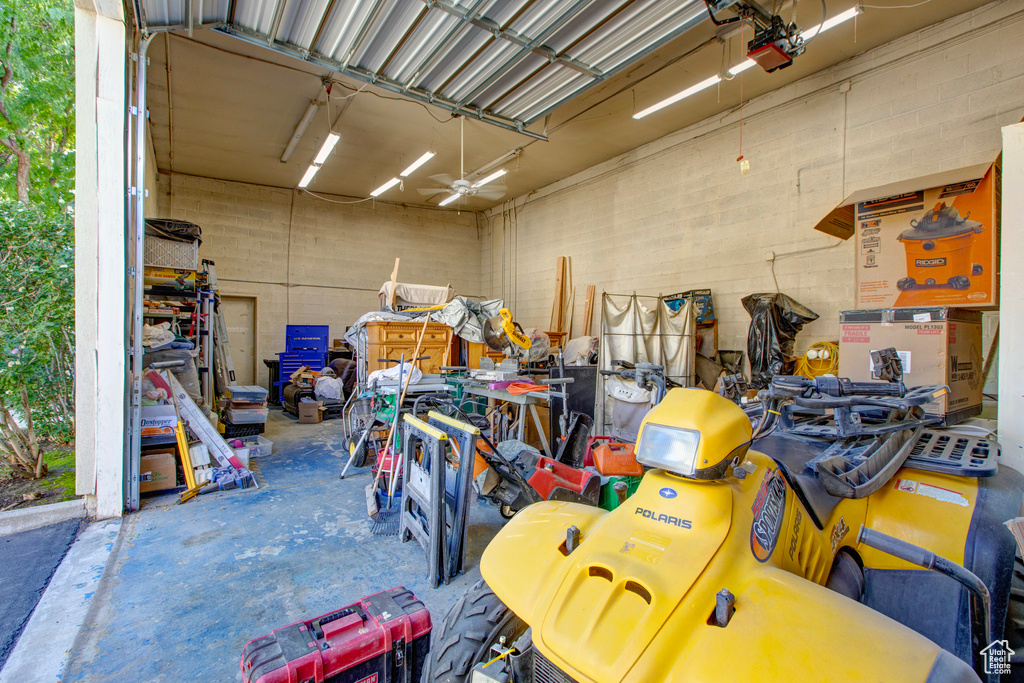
x,y
792,454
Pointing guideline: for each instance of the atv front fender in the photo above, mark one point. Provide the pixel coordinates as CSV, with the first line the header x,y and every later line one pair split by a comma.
x,y
519,562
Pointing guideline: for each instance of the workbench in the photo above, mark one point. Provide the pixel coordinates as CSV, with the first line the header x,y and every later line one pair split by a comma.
x,y
528,401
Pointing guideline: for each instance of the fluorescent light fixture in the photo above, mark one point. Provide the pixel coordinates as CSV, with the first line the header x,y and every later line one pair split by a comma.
x,y
300,128
326,148
742,66
494,176
706,83
385,187
448,200
308,178
416,164
833,22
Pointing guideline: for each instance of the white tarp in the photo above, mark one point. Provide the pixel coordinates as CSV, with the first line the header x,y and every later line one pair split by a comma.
x,y
416,296
643,329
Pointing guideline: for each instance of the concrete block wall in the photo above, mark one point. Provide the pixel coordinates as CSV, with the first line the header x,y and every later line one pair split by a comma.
x,y
309,261
676,214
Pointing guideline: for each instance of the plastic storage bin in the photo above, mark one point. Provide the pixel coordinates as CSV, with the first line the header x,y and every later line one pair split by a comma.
x,y
246,416
259,446
233,431
252,394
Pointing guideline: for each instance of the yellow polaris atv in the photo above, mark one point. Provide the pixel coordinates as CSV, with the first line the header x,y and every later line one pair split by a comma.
x,y
834,538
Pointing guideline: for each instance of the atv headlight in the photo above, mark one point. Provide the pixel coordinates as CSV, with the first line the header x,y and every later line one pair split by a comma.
x,y
669,448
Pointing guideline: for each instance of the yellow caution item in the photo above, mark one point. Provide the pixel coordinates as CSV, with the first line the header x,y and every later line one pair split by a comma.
x,y
186,459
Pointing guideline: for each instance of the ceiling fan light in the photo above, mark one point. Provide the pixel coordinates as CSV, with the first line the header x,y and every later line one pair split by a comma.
x,y
416,164
448,200
385,187
494,176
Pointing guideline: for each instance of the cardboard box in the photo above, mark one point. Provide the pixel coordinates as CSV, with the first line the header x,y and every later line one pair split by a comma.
x,y
156,472
158,420
701,300
931,241
310,413
936,346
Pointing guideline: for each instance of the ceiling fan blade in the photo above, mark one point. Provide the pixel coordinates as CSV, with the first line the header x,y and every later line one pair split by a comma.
x,y
442,179
428,191
491,192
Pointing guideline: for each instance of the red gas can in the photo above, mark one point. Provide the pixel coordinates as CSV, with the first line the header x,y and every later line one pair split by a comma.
x,y
383,638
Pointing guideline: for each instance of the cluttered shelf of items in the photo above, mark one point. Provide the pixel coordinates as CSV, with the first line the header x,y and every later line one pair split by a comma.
x,y
191,440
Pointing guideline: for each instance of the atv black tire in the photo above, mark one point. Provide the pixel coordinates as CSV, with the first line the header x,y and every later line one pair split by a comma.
x,y
475,623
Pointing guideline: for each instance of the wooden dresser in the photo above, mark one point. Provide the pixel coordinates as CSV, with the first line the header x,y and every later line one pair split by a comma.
x,y
392,339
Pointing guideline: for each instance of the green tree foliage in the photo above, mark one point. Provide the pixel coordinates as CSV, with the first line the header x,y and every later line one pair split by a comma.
x,y
37,101
37,179
37,314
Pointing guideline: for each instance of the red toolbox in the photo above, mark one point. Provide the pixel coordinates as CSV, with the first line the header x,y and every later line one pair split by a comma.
x,y
383,638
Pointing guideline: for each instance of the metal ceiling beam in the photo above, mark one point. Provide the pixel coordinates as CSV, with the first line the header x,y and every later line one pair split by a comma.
x,y
275,25
511,36
320,27
363,30
686,26
548,31
379,80
401,42
428,63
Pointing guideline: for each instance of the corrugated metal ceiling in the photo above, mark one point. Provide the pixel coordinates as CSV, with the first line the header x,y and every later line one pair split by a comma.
x,y
508,62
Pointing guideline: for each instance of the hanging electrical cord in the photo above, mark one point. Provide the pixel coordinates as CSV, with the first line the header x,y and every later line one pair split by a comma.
x,y
824,16
895,6
335,201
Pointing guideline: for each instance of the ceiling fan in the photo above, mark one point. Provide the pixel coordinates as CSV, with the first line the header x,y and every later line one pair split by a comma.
x,y
462,188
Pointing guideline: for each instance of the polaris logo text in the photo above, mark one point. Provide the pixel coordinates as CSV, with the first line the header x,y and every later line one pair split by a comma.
x,y
674,521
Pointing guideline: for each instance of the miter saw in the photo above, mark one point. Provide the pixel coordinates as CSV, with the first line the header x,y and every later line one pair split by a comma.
x,y
503,334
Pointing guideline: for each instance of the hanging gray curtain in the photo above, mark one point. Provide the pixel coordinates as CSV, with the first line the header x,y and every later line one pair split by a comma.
x,y
643,329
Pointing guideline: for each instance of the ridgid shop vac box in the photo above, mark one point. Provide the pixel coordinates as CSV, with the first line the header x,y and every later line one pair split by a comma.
x,y
383,638
935,345
932,241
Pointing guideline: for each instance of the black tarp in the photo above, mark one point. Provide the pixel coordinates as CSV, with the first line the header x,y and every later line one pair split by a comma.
x,y
775,320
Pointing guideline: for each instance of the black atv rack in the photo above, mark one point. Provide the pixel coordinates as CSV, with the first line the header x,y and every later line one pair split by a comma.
x,y
857,468
960,455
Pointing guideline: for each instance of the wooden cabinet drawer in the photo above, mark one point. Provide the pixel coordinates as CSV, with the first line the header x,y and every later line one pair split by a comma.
x,y
380,332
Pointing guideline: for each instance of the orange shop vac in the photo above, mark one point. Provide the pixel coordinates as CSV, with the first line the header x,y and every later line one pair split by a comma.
x,y
940,250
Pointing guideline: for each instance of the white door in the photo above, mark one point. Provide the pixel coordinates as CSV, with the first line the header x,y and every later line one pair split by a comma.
x,y
240,318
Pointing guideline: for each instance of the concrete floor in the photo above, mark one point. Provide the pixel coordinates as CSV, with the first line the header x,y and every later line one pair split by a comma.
x,y
188,585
